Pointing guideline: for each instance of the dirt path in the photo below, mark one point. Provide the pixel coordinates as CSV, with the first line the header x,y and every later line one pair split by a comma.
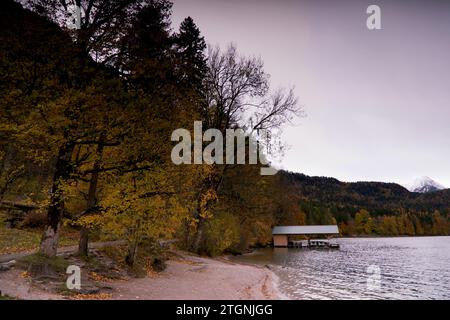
x,y
14,285
63,250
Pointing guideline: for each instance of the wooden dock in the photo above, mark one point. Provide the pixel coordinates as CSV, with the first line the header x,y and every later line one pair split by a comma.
x,y
313,244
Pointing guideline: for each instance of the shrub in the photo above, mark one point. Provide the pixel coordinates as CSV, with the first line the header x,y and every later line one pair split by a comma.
x,y
221,233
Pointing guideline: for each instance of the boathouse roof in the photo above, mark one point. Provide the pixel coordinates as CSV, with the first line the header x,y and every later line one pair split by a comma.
x,y
299,230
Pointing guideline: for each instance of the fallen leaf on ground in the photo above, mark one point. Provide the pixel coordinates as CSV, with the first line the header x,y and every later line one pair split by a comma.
x,y
98,296
98,277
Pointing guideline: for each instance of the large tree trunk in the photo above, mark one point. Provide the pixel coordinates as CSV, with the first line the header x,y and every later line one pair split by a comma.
x,y
83,245
50,237
212,183
199,235
187,234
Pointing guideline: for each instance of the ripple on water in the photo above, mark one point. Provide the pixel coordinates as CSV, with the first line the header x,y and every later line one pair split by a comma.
x,y
410,268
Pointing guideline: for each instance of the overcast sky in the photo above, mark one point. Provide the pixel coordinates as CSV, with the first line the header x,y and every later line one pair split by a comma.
x,y
377,102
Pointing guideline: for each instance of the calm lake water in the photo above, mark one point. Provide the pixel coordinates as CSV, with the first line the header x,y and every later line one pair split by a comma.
x,y
363,268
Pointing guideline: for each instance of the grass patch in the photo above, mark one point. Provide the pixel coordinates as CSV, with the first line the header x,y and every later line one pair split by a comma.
x,y
19,240
58,264
116,254
144,264
6,297
15,240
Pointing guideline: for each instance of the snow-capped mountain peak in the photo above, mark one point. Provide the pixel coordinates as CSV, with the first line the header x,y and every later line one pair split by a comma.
x,y
424,185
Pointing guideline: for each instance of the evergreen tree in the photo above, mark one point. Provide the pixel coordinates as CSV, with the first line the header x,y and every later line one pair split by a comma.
x,y
191,47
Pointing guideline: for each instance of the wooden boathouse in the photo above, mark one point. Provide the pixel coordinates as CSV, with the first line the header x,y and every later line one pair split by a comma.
x,y
281,234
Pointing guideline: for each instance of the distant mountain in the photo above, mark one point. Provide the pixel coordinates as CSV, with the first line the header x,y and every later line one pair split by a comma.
x,y
377,197
393,209
424,185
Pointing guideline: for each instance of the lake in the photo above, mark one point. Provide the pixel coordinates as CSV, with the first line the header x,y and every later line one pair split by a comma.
x,y
363,268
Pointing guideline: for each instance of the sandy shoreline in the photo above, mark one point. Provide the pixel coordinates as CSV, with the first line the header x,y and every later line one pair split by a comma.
x,y
199,278
185,278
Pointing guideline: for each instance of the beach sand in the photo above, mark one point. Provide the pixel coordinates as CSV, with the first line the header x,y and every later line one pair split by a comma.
x,y
186,277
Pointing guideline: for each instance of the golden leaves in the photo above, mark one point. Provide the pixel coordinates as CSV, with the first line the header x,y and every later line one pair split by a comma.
x,y
149,271
90,221
97,296
99,278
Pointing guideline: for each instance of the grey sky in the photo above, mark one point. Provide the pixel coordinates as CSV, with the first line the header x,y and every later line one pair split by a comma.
x,y
377,102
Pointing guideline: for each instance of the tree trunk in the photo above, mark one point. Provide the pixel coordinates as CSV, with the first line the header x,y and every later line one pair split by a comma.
x,y
83,245
83,249
199,235
132,253
213,182
210,181
50,237
187,234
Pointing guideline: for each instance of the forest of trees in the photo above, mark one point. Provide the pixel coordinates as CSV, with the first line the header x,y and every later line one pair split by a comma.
x,y
87,115
368,208
85,126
